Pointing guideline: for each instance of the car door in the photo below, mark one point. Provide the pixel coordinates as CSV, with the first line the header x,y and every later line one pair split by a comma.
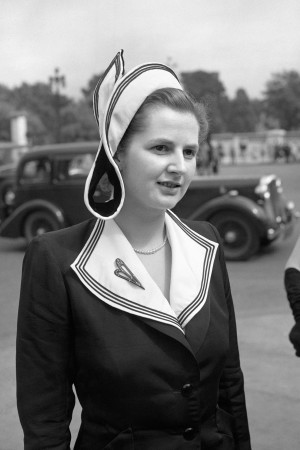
x,y
69,175
34,180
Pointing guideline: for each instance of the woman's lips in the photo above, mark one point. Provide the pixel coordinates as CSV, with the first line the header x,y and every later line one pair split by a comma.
x,y
169,184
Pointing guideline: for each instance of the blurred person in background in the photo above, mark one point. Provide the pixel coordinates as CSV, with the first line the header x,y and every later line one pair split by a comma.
x,y
292,287
133,307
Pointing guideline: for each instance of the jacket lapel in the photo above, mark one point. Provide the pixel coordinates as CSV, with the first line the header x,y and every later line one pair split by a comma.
x,y
111,270
171,331
197,327
193,258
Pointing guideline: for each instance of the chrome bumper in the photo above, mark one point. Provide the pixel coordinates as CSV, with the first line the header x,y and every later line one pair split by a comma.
x,y
285,228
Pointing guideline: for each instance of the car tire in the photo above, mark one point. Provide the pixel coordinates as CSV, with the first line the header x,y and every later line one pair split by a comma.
x,y
239,235
38,223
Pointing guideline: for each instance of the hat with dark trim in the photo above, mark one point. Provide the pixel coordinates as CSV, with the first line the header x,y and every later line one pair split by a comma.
x,y
117,97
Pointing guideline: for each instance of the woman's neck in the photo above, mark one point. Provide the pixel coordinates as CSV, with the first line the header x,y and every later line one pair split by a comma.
x,y
142,231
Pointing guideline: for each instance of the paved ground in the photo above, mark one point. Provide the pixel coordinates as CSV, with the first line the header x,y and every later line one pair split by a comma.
x,y
272,377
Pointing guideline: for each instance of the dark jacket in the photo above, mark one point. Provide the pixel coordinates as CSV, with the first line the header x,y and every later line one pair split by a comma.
x,y
292,287
142,384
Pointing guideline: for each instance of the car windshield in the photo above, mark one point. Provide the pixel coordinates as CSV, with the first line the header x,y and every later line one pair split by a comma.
x,y
36,171
78,166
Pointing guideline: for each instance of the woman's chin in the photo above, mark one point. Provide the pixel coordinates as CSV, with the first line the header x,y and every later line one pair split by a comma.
x,y
169,203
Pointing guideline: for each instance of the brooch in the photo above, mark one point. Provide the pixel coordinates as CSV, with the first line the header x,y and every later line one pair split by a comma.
x,y
124,272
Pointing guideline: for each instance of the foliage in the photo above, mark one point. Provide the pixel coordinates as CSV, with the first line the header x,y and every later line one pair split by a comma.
x,y
39,101
50,117
54,117
6,110
89,90
282,99
207,88
5,93
242,114
79,123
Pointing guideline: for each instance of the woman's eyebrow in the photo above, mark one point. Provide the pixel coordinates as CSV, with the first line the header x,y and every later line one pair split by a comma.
x,y
160,141
193,146
170,142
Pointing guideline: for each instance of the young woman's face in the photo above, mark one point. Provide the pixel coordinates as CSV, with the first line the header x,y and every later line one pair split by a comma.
x,y
159,162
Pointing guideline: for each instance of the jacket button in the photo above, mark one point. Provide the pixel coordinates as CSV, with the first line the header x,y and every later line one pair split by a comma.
x,y
187,390
189,433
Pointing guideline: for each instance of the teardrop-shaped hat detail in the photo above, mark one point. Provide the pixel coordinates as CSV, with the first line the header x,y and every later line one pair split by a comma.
x,y
117,97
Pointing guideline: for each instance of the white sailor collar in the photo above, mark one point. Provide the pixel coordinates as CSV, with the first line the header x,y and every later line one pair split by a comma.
x,y
107,250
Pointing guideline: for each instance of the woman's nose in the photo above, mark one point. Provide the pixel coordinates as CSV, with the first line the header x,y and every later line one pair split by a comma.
x,y
177,163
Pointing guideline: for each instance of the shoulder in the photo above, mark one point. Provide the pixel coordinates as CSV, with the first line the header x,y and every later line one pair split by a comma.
x,y
205,229
294,259
209,231
63,245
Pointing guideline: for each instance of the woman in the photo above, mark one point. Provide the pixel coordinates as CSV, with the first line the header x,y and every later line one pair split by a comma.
x,y
133,308
292,287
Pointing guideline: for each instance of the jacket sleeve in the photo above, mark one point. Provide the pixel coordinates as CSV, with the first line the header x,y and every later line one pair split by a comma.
x,y
44,362
292,287
231,387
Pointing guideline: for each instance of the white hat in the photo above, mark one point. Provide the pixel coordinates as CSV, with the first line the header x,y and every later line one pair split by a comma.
x,y
117,97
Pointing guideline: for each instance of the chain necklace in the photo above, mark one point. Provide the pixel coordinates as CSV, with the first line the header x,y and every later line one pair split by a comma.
x,y
153,250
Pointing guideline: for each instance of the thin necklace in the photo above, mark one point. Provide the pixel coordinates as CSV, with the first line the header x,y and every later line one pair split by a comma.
x,y
154,250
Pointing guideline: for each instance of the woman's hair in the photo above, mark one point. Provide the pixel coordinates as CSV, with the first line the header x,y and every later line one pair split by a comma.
x,y
173,98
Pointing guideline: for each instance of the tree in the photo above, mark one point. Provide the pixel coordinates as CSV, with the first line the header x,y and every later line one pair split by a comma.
x,y
79,123
39,102
76,119
7,107
242,116
206,87
36,130
89,90
5,93
6,110
282,99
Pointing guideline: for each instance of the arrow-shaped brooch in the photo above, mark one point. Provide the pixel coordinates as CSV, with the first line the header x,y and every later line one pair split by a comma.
x,y
124,272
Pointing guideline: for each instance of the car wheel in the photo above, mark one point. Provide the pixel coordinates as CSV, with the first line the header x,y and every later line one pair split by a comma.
x,y
38,223
239,236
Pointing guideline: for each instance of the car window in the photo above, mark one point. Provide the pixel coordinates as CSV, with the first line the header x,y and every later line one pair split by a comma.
x,y
36,171
71,168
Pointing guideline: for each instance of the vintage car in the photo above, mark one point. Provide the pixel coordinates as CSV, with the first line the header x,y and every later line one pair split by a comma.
x,y
7,178
48,195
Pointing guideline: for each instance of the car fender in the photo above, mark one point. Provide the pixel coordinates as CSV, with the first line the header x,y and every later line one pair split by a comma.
x,y
12,226
235,203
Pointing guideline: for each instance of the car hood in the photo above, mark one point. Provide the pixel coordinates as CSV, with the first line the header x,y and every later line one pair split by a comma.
x,y
7,170
227,182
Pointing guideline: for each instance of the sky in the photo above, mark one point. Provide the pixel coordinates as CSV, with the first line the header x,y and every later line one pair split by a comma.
x,y
245,41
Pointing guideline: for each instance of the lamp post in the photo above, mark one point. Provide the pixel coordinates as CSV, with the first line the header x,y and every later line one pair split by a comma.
x,y
57,82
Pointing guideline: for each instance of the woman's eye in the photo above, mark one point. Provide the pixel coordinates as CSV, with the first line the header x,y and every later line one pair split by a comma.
x,y
189,153
161,148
